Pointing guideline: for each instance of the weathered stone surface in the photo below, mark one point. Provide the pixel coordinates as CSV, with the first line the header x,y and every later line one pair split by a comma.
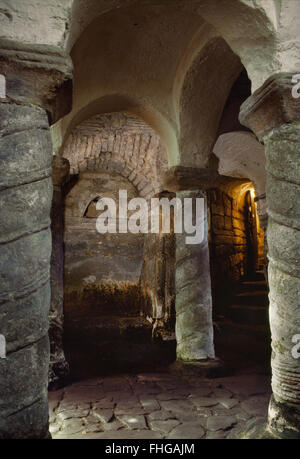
x,y
215,423
187,431
164,426
72,414
149,404
105,403
194,332
72,426
201,391
23,383
133,422
204,402
246,385
221,393
170,419
123,435
169,396
161,415
176,405
228,402
256,406
255,429
91,428
268,111
271,106
104,415
113,426
83,394
42,72
98,141
204,412
33,76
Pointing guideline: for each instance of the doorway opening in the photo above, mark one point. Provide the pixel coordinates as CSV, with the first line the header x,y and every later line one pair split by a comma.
x,y
240,292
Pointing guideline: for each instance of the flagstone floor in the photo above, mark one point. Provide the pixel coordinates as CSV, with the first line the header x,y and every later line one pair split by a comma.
x,y
157,406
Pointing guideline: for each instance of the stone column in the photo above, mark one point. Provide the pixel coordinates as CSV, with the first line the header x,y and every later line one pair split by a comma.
x,y
274,116
194,327
33,76
58,368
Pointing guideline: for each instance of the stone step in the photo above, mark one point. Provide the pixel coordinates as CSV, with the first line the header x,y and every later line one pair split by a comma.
x,y
250,286
252,315
257,298
259,275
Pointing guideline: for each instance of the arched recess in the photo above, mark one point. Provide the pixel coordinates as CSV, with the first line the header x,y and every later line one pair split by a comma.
x,y
118,143
242,156
113,103
163,43
248,26
205,89
153,38
264,33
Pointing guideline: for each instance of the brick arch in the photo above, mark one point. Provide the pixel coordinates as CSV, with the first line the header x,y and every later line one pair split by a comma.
x,y
119,143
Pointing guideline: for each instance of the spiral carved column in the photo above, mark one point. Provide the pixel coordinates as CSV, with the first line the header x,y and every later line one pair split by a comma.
x,y
194,326
33,76
274,115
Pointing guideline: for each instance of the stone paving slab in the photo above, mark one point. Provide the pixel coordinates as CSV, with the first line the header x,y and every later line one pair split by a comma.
x,y
158,405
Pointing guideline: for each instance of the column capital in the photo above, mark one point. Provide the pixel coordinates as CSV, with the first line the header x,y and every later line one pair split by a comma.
x,y
40,75
181,178
270,106
60,170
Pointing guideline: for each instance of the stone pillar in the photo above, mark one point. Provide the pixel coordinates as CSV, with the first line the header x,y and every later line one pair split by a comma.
x,y
274,116
33,76
194,327
58,368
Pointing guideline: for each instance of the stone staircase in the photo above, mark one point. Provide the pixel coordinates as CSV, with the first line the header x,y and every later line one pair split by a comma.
x,y
250,304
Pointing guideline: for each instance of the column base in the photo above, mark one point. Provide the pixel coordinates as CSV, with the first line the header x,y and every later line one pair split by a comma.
x,y
254,429
284,420
206,369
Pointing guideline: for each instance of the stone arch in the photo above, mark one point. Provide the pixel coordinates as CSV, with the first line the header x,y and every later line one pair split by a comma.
x,y
207,32
205,88
258,20
118,102
119,143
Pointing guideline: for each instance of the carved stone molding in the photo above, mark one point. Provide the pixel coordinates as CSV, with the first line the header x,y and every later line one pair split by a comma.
x,y
271,106
37,74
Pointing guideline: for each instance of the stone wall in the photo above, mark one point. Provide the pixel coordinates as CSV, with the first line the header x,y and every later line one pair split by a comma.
x,y
102,273
109,316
